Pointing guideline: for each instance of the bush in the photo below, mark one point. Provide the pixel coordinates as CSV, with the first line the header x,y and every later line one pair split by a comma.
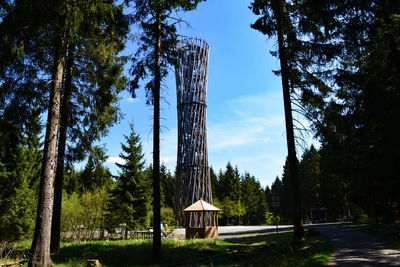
x,y
82,215
167,216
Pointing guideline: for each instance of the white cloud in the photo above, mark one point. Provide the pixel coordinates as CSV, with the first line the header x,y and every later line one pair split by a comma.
x,y
115,160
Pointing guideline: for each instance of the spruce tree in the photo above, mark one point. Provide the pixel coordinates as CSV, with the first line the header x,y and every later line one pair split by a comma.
x,y
130,200
167,181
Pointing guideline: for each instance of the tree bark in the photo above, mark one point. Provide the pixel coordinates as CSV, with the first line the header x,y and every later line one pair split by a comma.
x,y
156,142
58,183
293,168
40,249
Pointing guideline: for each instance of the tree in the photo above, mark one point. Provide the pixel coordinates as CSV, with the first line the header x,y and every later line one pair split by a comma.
x,y
229,194
309,171
19,176
253,199
35,35
214,182
130,200
351,69
40,249
167,181
93,80
275,20
230,183
95,175
154,55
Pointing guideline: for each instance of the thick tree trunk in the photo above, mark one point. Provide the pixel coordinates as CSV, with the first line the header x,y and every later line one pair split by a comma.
x,y
156,143
58,183
293,168
40,250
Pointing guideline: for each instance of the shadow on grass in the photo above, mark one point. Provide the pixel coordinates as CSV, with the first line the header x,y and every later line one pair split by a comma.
x,y
139,252
265,250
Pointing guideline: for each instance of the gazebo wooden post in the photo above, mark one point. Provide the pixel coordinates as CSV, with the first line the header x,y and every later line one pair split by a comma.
x,y
213,219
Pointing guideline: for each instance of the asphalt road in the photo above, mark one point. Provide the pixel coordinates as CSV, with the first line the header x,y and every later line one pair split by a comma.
x,y
351,247
355,248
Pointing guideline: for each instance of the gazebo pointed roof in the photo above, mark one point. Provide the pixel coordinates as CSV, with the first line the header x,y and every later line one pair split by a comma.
x,y
201,205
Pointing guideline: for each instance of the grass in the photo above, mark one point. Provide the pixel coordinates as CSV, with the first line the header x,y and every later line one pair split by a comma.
x,y
268,250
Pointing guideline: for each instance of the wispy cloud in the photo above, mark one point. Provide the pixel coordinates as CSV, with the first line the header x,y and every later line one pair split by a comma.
x,y
256,121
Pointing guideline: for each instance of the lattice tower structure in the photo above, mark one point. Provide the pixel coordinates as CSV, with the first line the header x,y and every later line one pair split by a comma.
x,y
192,173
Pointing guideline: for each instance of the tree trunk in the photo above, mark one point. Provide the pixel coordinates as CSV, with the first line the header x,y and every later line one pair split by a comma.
x,y
156,143
58,183
293,168
40,249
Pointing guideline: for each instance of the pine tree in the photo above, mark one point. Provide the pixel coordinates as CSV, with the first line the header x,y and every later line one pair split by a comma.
x,y
214,183
19,176
275,19
93,79
130,200
95,175
152,60
167,181
253,199
309,171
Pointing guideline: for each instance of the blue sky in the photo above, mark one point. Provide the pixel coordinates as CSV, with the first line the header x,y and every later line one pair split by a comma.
x,y
244,100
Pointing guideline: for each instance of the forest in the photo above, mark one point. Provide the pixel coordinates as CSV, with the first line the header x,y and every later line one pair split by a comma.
x,y
62,70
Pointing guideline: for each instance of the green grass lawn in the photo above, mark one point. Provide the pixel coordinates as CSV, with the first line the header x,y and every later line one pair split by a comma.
x,y
269,250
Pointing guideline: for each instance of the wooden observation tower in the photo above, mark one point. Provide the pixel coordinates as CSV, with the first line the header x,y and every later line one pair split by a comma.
x,y
192,172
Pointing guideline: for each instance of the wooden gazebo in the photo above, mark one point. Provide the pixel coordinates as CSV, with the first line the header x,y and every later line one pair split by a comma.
x,y
201,220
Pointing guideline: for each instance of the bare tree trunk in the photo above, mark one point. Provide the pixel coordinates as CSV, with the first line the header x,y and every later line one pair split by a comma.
x,y
58,183
40,249
156,143
293,168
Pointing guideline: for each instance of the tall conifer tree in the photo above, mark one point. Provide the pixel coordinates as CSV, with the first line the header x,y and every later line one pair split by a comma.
x,y
152,60
130,200
274,19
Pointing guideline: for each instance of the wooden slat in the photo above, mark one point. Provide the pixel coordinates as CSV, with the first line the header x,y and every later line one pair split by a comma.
x,y
193,174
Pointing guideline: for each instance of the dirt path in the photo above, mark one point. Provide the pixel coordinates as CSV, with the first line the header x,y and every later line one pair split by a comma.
x,y
354,248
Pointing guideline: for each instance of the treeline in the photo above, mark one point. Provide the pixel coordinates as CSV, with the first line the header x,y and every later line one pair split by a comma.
x,y
240,197
325,197
326,190
341,61
95,199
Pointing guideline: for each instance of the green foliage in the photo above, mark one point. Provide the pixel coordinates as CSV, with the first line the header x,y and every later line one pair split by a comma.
x,y
95,175
167,216
343,62
270,218
19,174
130,202
85,212
241,199
309,171
167,182
254,201
144,60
